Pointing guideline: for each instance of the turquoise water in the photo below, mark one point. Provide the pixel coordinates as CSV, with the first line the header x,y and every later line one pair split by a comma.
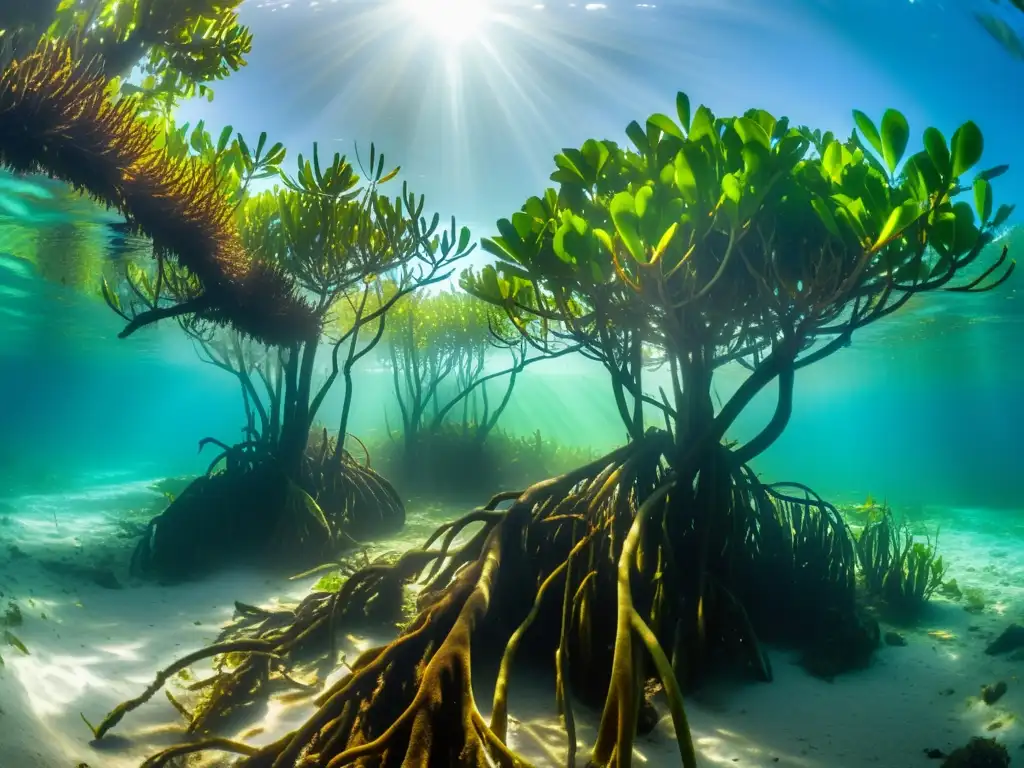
x,y
923,409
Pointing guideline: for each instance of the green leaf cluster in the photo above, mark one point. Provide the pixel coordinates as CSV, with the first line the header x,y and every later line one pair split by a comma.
x,y
236,164
180,45
436,341
445,320
333,231
739,225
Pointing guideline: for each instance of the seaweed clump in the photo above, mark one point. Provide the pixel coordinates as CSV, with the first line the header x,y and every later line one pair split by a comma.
x,y
57,117
903,572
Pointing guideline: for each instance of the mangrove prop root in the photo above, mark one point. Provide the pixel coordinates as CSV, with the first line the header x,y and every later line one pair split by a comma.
x,y
206,745
115,715
260,635
442,718
56,118
618,720
411,702
627,530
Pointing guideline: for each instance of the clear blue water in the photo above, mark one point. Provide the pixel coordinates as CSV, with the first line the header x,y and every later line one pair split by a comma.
x,y
924,409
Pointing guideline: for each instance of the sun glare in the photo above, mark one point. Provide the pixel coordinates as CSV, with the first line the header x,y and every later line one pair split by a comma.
x,y
450,21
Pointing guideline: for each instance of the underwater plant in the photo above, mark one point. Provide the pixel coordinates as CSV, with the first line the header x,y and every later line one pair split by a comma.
x,y
709,240
286,484
903,572
57,118
178,46
225,257
437,349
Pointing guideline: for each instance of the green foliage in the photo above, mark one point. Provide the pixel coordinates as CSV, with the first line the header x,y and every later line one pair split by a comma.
x,y
335,234
149,285
237,165
1004,35
180,46
744,227
438,347
330,582
352,250
903,572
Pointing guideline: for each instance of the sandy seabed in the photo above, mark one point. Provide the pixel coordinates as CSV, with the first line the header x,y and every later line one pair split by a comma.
x,y
94,639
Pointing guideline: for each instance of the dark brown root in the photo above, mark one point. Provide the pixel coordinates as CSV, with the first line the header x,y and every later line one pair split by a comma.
x,y
56,118
279,638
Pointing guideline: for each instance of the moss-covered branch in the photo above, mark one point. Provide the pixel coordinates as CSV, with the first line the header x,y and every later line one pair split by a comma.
x,y
57,118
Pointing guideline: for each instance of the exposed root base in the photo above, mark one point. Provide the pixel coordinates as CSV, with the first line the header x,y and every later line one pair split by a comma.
x,y
251,512
614,530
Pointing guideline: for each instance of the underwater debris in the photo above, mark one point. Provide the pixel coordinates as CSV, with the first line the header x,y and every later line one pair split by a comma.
x,y
895,639
57,118
992,693
950,589
974,599
979,753
1010,639
12,640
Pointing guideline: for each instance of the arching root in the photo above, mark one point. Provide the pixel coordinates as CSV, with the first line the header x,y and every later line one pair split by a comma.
x,y
627,530
114,717
261,645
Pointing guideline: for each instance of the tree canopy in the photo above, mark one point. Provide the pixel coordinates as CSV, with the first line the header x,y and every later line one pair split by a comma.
x,y
743,239
179,46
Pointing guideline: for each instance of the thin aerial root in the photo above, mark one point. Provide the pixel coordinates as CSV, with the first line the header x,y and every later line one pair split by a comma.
x,y
453,529
115,715
314,571
499,710
614,745
672,690
563,701
505,757
215,744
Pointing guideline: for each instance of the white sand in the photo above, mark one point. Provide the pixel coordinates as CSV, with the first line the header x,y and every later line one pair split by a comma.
x,y
98,646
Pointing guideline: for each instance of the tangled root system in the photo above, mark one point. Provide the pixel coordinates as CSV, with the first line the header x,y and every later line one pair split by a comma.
x,y
57,118
627,530
252,512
